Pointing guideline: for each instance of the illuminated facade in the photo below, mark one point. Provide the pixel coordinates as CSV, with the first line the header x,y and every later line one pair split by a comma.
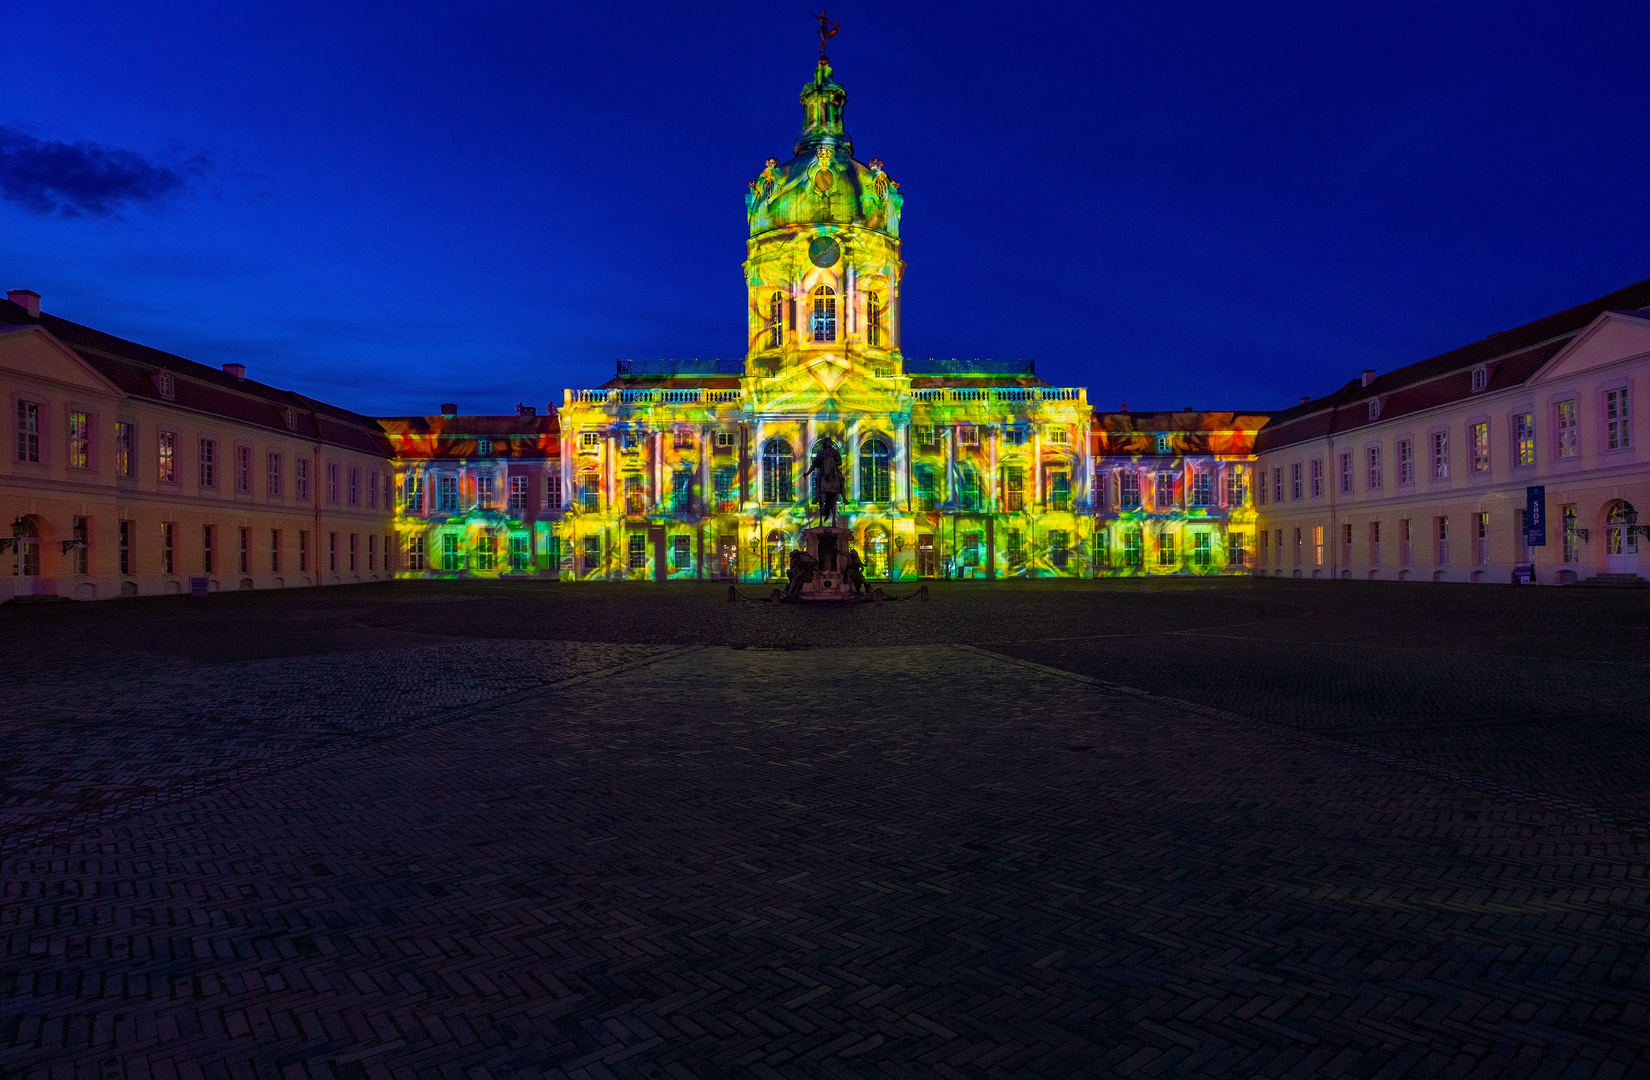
x,y
962,470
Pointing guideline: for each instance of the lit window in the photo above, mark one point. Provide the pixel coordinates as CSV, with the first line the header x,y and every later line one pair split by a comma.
x,y
1524,438
166,453
1014,489
875,478
520,557
638,551
1059,435
1480,448
724,440
681,554
1317,545
1163,446
484,447
776,320
124,442
80,440
682,438
822,324
1201,550
873,319
777,470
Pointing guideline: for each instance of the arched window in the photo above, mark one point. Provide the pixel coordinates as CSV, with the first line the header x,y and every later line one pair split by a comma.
x,y
874,486
873,318
823,323
777,468
776,320
876,552
778,551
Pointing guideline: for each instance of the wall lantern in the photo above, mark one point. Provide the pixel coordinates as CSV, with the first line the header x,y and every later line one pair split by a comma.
x,y
18,531
1570,524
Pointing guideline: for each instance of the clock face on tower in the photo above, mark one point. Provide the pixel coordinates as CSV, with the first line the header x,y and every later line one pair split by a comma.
x,y
823,251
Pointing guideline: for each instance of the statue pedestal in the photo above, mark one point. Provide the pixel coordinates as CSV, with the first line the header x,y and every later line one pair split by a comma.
x,y
829,547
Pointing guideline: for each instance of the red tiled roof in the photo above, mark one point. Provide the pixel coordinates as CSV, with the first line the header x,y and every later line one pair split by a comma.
x,y
1512,356
132,367
519,437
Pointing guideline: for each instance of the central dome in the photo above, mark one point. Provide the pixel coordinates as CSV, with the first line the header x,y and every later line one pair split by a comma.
x,y
822,183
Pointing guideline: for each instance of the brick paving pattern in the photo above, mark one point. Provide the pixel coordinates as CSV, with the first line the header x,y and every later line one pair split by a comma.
x,y
923,860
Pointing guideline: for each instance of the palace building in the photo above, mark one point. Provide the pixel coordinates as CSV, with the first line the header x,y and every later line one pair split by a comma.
x,y
131,471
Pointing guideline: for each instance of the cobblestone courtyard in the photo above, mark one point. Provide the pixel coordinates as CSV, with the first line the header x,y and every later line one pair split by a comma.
x,y
489,830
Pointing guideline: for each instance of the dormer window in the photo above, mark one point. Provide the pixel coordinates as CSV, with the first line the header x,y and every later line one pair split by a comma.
x,y
291,420
163,385
484,447
1480,378
1163,442
1374,408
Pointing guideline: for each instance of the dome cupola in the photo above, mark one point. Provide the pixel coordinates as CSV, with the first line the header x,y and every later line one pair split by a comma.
x,y
822,182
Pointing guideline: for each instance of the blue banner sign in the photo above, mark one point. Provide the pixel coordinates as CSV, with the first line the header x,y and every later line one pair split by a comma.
x,y
1535,516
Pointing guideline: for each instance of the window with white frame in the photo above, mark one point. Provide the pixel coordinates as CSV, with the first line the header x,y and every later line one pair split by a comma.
x,y
166,456
1163,444
333,483
1346,472
1440,455
590,440
1375,477
968,435
1480,378
209,463
447,494
484,447
1128,493
80,440
518,494
300,476
1295,481
1618,434
1163,497
1059,435
1236,489
125,448
1524,439
725,441
1480,447
1374,408
354,486
1406,461
1565,429
484,491
1202,493
243,469
552,490
1317,477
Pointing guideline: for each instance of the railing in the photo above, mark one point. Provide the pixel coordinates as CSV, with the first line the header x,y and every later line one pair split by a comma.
x,y
1009,394
653,397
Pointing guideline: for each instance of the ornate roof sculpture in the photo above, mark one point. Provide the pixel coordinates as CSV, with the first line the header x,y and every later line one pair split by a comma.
x,y
822,181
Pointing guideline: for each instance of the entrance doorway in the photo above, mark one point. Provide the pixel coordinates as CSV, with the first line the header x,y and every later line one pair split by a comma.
x,y
1621,542
928,563
727,557
26,560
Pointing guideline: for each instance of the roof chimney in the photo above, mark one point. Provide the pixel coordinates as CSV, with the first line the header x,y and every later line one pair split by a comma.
x,y
1305,400
27,299
237,370
1369,375
449,409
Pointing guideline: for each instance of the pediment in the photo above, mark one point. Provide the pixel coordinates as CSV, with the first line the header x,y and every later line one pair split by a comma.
x,y
828,383
1613,337
33,353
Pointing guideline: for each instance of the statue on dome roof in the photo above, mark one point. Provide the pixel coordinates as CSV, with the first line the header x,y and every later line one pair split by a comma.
x,y
827,29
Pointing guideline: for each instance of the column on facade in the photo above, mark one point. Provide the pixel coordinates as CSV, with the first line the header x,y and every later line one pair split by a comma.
x,y
851,458
991,500
951,465
658,493
756,463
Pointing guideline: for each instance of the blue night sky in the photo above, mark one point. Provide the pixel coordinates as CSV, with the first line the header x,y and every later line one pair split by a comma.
x,y
393,205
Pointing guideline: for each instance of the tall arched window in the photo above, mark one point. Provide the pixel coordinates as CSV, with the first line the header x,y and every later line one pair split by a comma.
x,y
777,467
823,323
874,485
776,320
778,552
873,318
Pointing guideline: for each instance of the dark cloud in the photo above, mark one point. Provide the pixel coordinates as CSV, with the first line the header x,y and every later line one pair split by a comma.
x,y
82,179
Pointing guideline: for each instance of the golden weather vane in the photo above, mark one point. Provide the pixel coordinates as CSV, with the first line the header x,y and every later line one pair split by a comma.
x,y
827,28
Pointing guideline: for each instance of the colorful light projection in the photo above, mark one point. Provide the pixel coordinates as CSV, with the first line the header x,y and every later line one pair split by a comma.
x,y
974,471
